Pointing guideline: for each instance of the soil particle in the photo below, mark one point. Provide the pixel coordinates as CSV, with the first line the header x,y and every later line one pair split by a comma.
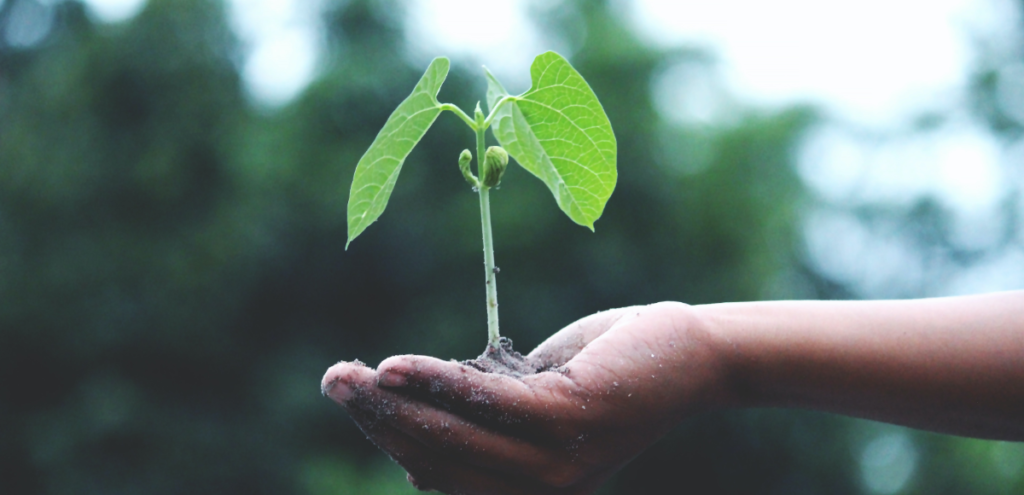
x,y
506,361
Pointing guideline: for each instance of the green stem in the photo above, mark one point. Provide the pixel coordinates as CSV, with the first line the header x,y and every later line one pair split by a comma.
x,y
462,115
485,221
494,111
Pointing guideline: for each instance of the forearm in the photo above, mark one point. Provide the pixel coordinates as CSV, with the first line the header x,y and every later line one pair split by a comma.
x,y
954,365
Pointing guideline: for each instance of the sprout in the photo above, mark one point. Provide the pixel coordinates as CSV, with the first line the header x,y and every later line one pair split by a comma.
x,y
557,131
464,158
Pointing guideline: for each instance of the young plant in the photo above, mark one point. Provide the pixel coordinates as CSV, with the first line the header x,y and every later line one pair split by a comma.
x,y
557,130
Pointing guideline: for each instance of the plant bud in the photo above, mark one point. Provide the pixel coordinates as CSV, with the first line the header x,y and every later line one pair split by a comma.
x,y
478,114
464,159
495,162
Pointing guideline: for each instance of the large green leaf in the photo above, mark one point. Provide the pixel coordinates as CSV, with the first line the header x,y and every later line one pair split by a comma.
x,y
559,132
378,169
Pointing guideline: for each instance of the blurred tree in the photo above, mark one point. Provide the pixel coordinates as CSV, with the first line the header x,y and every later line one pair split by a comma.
x,y
127,241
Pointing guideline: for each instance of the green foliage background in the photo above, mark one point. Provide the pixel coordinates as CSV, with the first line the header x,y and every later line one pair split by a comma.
x,y
173,281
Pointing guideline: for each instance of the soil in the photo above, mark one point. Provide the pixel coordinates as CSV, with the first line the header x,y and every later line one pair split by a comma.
x,y
506,361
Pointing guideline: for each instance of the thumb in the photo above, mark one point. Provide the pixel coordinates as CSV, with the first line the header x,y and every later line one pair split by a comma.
x,y
565,344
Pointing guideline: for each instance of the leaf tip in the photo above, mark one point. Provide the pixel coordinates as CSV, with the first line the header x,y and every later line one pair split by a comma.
x,y
549,53
355,228
444,64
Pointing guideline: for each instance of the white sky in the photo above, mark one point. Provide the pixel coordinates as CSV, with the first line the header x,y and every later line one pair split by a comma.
x,y
495,33
283,44
960,163
869,61
114,10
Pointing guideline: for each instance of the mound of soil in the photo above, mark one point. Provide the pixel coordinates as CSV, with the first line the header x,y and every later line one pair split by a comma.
x,y
506,361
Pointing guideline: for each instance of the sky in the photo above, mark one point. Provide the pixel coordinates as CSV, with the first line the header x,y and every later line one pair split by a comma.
x,y
873,66
871,61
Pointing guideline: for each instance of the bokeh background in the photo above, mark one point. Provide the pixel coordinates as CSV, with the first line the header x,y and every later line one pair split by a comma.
x,y
173,182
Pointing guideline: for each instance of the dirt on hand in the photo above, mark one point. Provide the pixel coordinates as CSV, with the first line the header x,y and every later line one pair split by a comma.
x,y
506,361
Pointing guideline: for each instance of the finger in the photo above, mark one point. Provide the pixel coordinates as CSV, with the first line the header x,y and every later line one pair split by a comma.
x,y
353,386
553,464
429,470
490,398
567,342
344,381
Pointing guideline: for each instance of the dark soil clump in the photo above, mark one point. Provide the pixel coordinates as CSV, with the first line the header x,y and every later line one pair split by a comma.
x,y
506,361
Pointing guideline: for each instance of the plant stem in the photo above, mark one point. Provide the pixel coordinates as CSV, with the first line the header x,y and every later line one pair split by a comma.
x,y
494,111
462,115
485,221
492,281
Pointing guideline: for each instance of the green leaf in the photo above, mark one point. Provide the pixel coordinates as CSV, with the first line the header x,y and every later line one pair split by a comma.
x,y
378,169
559,132
495,91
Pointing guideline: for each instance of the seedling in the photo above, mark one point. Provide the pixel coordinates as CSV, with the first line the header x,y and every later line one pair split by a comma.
x,y
557,130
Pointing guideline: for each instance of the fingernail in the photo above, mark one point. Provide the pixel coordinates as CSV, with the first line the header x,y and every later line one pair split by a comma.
x,y
391,379
337,390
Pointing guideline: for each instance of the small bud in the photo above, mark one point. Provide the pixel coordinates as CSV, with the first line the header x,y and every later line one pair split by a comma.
x,y
478,114
464,159
495,162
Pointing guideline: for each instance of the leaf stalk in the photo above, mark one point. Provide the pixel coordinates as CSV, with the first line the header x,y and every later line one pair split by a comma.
x,y
462,115
494,111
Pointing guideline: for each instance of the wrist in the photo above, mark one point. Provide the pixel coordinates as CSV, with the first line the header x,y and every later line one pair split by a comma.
x,y
733,381
706,372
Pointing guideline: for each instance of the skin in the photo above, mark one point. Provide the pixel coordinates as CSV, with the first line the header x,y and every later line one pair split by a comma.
x,y
628,376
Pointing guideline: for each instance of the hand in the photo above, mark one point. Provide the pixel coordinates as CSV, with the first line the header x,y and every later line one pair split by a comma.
x,y
620,380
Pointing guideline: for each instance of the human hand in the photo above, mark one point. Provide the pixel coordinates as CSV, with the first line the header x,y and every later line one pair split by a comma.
x,y
620,380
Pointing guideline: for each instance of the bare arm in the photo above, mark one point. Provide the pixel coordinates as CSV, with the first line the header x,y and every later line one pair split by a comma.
x,y
625,377
953,365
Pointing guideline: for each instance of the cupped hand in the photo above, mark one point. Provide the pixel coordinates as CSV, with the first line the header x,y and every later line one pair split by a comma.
x,y
618,381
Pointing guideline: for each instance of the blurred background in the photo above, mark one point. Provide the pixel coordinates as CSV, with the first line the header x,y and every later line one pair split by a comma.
x,y
174,175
